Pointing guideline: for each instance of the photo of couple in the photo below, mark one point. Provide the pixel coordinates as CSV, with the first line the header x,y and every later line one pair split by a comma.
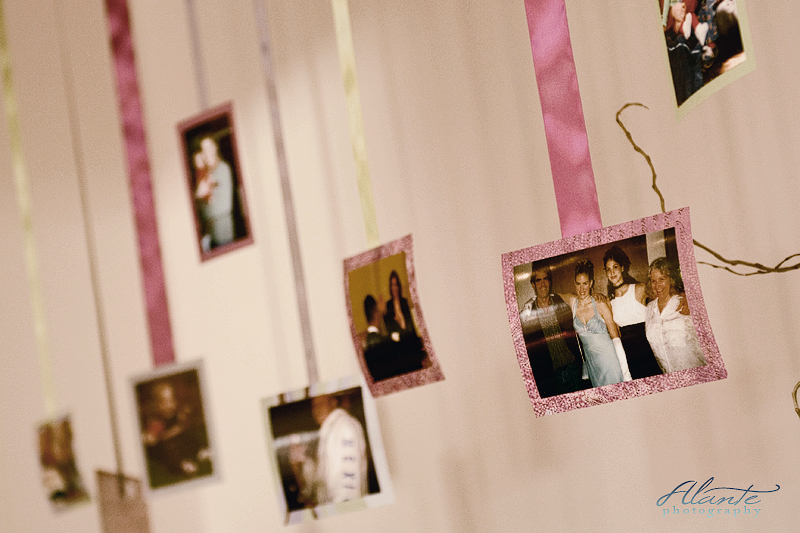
x,y
214,182
386,321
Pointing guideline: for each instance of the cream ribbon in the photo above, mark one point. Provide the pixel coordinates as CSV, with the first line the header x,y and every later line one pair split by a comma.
x,y
347,63
21,184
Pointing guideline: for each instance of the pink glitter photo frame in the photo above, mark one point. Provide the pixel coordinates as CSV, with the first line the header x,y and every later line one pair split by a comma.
x,y
393,357
659,235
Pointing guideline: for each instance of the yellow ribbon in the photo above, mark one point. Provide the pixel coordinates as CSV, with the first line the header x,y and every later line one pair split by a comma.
x,y
20,175
347,62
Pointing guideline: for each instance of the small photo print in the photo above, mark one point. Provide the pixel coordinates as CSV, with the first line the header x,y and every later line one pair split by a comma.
x,y
214,182
708,46
326,451
60,475
611,314
122,505
386,322
173,426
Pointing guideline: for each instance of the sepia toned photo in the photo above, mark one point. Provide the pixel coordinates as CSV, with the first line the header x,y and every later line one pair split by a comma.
x,y
707,43
123,508
60,475
386,322
610,314
214,181
173,426
326,451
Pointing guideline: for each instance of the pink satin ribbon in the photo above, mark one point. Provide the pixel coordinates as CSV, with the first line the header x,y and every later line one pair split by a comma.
x,y
564,126
141,188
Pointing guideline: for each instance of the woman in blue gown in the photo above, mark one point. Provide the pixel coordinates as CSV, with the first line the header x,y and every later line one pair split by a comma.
x,y
603,354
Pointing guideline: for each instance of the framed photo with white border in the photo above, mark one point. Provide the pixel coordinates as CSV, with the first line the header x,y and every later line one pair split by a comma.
x,y
326,452
707,46
174,427
567,343
60,475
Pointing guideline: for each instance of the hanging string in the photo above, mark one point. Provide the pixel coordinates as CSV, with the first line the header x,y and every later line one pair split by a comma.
x,y
22,186
347,63
756,268
91,244
197,56
141,187
564,125
288,204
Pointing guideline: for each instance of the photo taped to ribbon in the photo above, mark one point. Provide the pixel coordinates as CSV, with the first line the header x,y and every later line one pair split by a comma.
x,y
707,46
386,322
60,475
174,426
326,452
123,508
610,314
214,180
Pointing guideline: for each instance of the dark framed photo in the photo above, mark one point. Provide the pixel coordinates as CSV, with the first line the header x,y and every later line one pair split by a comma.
x,y
386,323
610,314
326,451
60,475
707,46
173,426
214,180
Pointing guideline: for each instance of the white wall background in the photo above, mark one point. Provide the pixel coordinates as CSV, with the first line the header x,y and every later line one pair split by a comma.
x,y
458,157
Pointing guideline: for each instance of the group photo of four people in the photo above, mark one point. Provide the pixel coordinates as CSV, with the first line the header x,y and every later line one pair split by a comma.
x,y
578,337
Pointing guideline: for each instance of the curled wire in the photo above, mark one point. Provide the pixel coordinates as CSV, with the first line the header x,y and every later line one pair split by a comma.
x,y
756,268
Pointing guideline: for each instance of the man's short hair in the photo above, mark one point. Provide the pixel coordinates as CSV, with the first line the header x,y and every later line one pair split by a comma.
x,y
541,268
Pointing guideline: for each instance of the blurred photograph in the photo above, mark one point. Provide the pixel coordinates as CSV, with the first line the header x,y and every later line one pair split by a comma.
x,y
386,323
591,319
173,427
324,451
214,179
60,475
121,502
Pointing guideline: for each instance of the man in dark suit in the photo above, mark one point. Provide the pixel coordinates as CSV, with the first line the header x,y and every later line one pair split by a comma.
x,y
550,338
373,314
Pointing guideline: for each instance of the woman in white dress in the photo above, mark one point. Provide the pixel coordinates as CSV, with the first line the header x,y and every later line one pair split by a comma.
x,y
670,333
628,300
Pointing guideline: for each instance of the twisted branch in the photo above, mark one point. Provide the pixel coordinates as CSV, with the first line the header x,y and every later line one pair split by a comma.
x,y
757,268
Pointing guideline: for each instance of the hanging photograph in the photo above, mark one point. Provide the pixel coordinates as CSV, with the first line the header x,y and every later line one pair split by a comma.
x,y
707,44
326,451
611,314
173,426
386,322
122,505
60,475
214,180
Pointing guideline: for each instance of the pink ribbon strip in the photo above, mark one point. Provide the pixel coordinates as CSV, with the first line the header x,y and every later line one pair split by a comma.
x,y
565,129
141,188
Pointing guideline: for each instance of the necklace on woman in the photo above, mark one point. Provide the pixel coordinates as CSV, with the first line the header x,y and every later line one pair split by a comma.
x,y
621,287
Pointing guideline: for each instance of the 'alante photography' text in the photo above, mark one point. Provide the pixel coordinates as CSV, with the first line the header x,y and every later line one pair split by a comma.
x,y
712,501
